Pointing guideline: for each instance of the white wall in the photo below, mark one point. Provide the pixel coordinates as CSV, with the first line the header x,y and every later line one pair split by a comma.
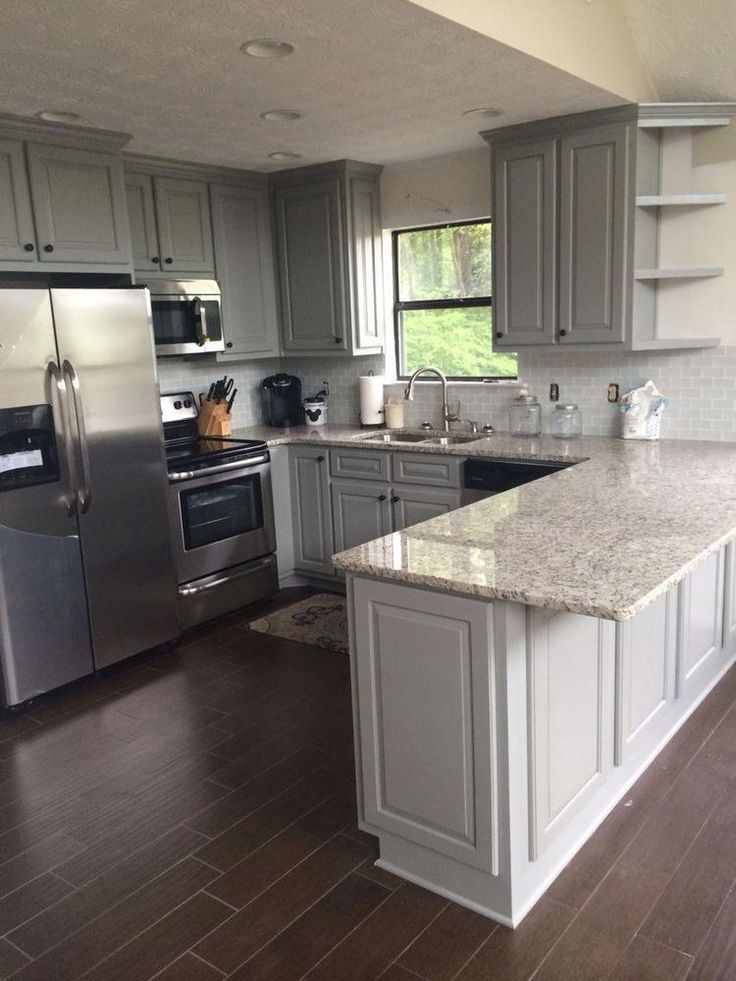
x,y
429,192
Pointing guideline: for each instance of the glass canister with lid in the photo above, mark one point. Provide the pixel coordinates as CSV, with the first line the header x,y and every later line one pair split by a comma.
x,y
567,422
525,415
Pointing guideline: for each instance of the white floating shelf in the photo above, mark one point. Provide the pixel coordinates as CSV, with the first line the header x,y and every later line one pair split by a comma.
x,y
685,272
666,122
667,200
674,343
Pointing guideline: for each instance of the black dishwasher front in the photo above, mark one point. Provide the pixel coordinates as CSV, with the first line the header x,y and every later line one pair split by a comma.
x,y
484,477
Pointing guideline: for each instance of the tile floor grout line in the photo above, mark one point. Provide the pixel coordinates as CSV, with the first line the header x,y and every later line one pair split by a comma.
x,y
713,921
224,902
477,949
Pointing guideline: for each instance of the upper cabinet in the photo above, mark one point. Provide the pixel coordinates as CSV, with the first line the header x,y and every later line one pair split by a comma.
x,y
62,198
576,212
241,221
328,235
170,224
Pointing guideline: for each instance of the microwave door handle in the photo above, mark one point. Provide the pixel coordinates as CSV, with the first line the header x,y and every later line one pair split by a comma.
x,y
201,319
70,497
84,495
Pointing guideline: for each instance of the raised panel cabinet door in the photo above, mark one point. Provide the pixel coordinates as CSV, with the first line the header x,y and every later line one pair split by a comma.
x,y
729,606
142,221
17,234
524,244
241,226
366,273
596,220
79,205
184,226
310,492
309,227
570,733
424,664
700,626
414,504
360,512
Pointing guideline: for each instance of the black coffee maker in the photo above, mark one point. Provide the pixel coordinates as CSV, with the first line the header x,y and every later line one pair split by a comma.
x,y
282,400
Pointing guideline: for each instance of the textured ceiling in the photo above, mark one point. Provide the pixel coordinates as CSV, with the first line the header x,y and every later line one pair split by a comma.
x,y
378,80
687,46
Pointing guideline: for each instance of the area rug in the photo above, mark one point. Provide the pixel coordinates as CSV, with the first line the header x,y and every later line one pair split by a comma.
x,y
321,621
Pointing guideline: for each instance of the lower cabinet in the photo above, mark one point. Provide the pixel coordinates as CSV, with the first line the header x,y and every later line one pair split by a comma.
x,y
361,511
310,494
414,504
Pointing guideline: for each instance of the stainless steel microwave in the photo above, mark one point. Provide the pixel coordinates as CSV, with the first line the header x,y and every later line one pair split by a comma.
x,y
187,316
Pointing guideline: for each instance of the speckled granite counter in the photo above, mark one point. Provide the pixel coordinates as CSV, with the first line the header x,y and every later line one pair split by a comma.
x,y
604,537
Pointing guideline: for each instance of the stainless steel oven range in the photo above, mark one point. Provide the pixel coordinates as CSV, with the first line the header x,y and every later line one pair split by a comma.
x,y
221,512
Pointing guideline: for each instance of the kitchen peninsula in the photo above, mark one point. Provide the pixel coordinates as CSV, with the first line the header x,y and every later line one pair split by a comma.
x,y
517,663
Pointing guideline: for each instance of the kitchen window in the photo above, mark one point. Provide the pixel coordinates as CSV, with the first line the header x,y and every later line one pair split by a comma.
x,y
443,309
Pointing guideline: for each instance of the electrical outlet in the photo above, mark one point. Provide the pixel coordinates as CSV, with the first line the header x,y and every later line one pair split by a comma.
x,y
554,392
613,392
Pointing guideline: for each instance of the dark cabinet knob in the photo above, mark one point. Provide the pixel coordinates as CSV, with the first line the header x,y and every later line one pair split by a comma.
x,y
338,340
48,248
168,260
395,498
563,333
381,497
320,459
155,258
499,333
28,247
229,344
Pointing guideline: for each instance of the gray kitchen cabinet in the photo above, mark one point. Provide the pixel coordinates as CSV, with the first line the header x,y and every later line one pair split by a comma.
x,y
596,230
328,232
241,223
310,494
524,243
410,505
361,511
142,219
17,234
184,226
78,204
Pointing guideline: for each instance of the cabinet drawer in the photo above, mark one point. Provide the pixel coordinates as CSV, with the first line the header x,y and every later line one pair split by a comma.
x,y
432,471
360,464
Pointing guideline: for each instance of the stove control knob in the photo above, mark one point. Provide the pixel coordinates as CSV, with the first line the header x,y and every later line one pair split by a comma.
x,y
177,405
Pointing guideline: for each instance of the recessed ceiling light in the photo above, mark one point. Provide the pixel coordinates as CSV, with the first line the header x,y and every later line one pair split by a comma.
x,y
284,155
282,115
488,112
267,47
58,116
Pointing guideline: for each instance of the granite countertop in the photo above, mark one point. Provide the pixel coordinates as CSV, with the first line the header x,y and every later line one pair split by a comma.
x,y
605,537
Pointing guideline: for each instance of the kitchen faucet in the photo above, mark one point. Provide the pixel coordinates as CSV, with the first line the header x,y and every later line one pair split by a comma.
x,y
409,391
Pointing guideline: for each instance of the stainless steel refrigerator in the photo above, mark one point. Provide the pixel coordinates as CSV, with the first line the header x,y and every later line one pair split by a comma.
x,y
86,573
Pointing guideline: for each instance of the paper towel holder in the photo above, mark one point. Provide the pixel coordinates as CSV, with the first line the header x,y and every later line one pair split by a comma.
x,y
379,411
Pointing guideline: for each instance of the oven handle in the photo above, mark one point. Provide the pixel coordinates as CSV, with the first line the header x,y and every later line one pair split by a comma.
x,y
252,567
222,468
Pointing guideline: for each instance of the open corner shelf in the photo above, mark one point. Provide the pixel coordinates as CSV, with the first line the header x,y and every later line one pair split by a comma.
x,y
682,200
674,343
683,272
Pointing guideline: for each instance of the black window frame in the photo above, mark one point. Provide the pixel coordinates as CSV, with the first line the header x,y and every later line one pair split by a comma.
x,y
450,303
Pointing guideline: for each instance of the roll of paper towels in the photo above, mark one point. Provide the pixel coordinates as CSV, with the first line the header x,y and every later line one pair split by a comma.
x,y
371,399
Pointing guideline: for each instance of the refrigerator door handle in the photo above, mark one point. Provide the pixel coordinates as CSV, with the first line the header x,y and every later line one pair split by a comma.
x,y
70,496
84,494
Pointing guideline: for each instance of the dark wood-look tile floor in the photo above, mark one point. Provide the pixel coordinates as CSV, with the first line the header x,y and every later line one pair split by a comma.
x,y
190,816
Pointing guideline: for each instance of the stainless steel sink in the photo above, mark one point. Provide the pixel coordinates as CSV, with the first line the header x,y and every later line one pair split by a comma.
x,y
397,437
452,439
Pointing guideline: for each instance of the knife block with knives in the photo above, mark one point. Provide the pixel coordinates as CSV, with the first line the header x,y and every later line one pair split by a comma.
x,y
215,411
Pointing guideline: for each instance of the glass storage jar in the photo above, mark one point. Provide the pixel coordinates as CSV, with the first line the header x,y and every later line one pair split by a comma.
x,y
525,415
567,422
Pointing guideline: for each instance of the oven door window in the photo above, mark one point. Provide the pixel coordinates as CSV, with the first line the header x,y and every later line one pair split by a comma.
x,y
220,511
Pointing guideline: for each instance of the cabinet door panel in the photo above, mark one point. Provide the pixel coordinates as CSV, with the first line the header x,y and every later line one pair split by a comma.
x,y
79,205
184,227
524,237
16,218
142,220
415,504
700,621
313,542
309,227
595,205
424,668
366,273
360,512
241,224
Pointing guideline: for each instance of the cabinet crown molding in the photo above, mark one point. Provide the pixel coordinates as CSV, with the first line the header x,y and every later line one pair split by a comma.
x,y
560,125
84,137
139,163
335,168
